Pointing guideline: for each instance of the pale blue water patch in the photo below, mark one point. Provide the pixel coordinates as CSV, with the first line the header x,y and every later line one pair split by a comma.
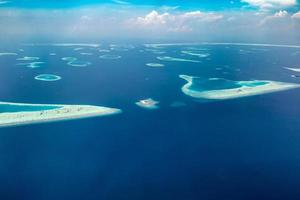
x,y
104,50
177,104
296,53
69,59
78,49
11,108
116,47
155,51
79,63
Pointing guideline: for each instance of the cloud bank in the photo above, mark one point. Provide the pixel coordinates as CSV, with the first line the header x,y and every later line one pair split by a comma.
x,y
271,4
135,24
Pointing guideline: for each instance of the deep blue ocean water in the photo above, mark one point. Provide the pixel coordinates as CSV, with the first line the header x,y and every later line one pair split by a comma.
x,y
240,149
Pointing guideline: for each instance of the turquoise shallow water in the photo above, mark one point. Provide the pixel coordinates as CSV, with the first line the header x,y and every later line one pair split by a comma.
x,y
201,84
215,84
5,108
254,83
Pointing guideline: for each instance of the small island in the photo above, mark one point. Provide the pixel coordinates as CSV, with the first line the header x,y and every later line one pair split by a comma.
x,y
148,104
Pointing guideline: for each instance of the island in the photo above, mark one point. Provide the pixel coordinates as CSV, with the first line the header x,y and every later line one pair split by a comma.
x,y
294,69
222,89
16,114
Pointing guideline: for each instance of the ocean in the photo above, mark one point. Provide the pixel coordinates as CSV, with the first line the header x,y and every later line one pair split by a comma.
x,y
242,148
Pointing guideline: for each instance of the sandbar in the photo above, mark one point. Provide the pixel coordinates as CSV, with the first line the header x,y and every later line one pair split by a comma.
x,y
8,54
155,65
293,69
28,58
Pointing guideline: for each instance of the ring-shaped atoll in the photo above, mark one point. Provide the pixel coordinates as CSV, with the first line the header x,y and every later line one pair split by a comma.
x,y
47,77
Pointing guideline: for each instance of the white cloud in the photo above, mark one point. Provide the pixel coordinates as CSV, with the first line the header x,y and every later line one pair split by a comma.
x,y
281,16
180,22
201,16
154,18
271,4
281,13
107,23
296,15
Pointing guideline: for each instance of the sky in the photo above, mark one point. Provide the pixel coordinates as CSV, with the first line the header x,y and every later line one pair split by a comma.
x,y
261,21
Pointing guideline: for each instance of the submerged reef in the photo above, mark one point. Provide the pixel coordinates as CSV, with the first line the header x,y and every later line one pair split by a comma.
x,y
110,57
172,59
28,58
32,64
8,54
196,53
72,61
